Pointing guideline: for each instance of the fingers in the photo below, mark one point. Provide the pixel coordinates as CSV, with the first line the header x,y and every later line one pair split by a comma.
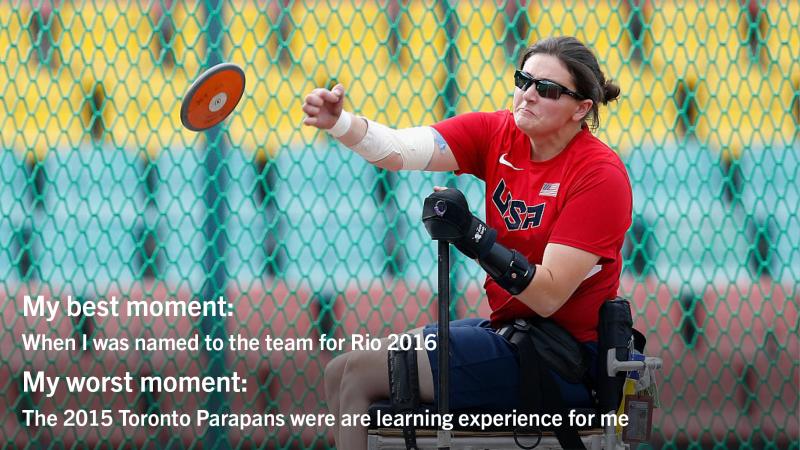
x,y
439,188
310,110
329,96
338,92
320,96
320,101
314,99
312,107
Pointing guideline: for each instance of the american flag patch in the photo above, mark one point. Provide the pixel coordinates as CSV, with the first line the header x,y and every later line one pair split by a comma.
x,y
549,190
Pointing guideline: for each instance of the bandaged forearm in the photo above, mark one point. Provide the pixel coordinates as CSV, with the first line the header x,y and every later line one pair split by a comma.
x,y
414,145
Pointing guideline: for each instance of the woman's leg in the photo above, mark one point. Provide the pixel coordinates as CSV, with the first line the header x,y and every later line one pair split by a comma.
x,y
333,378
355,380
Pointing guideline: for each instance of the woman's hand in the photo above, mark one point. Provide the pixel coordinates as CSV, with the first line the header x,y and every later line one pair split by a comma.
x,y
323,107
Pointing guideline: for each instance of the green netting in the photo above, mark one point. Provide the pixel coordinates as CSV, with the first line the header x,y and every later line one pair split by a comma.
x,y
104,194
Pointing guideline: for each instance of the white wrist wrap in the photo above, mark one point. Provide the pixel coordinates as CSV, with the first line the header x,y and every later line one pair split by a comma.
x,y
414,145
342,125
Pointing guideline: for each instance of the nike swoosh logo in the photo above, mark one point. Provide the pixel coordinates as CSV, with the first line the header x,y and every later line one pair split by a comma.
x,y
505,162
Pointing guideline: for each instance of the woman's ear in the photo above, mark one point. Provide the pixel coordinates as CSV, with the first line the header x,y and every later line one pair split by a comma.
x,y
582,110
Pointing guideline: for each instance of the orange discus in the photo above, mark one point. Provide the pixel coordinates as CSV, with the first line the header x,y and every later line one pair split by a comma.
x,y
212,97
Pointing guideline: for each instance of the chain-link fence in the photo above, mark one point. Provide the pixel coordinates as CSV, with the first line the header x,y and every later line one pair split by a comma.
x,y
104,195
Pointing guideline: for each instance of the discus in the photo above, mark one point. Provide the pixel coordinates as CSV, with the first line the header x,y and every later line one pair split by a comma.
x,y
212,97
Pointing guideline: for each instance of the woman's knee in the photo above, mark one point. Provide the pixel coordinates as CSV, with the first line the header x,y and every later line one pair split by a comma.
x,y
334,371
336,365
367,373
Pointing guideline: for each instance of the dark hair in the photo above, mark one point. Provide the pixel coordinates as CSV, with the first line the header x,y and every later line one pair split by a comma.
x,y
584,68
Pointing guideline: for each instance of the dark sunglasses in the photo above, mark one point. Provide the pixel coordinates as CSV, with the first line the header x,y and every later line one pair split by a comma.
x,y
545,88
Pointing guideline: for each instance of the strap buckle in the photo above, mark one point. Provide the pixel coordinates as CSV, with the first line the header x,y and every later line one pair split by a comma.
x,y
506,331
510,329
521,325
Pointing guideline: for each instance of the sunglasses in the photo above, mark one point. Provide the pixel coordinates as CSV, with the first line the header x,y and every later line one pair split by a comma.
x,y
545,88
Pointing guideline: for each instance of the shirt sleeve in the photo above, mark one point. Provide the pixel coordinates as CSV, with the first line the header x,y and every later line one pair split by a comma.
x,y
468,136
597,213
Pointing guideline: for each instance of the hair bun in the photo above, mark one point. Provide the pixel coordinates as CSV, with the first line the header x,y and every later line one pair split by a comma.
x,y
610,92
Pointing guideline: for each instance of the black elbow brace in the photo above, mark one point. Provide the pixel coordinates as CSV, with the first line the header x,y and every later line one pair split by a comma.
x,y
446,216
508,268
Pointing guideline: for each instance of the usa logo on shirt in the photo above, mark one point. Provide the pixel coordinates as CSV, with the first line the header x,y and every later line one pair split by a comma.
x,y
516,214
549,190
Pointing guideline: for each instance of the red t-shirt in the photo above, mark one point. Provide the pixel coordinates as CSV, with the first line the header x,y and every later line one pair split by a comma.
x,y
581,198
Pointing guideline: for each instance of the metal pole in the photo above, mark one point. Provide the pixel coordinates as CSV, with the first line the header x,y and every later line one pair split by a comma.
x,y
450,96
213,232
443,342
